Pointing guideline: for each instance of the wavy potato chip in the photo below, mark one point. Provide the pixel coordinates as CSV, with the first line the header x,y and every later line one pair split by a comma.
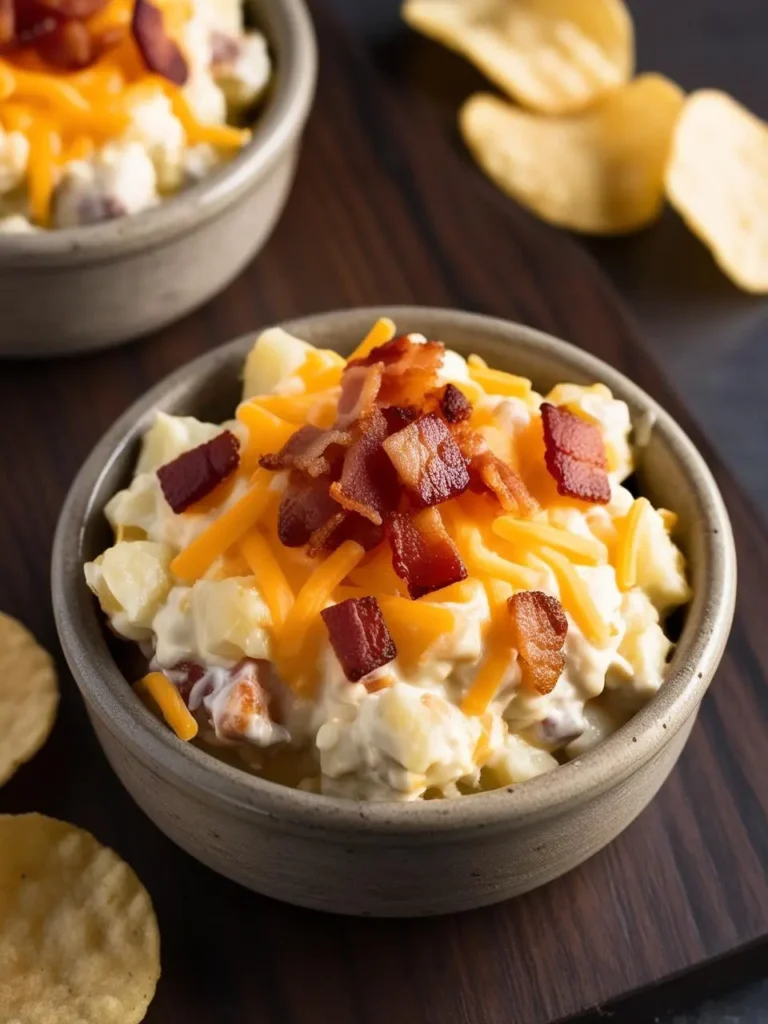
x,y
80,943
600,172
717,180
554,56
29,696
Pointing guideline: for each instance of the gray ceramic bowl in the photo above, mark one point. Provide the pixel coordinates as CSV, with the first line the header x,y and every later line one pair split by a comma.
x,y
390,858
86,288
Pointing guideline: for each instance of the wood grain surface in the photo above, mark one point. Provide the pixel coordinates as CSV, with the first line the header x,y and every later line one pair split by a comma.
x,y
384,211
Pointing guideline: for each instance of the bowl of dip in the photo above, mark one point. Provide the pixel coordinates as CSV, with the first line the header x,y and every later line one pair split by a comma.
x,y
168,132
430,713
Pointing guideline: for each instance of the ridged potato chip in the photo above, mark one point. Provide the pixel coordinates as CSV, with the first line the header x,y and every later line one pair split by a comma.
x,y
29,696
717,180
554,56
80,943
600,172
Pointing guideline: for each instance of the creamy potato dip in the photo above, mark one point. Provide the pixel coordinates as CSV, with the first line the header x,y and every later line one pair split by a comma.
x,y
107,113
492,624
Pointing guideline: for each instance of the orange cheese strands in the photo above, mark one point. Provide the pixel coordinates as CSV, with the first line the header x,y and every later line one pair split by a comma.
x,y
194,561
168,699
295,662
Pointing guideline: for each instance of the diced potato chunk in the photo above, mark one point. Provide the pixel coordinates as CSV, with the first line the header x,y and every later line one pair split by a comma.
x,y
171,436
230,619
661,566
275,356
131,580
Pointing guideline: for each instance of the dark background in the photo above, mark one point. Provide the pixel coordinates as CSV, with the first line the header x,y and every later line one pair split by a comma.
x,y
709,338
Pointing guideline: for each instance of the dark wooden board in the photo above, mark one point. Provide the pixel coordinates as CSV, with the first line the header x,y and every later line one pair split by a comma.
x,y
385,211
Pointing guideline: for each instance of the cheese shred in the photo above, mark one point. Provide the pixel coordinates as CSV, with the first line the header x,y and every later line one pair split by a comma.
x,y
172,707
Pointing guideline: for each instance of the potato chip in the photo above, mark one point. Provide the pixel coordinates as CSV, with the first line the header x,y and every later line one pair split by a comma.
x,y
29,696
600,172
717,180
80,943
554,56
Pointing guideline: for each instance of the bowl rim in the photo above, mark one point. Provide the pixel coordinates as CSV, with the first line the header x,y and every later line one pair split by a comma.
x,y
278,124
188,767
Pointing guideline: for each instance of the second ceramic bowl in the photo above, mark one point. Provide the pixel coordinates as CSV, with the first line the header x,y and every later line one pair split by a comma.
x,y
80,289
388,858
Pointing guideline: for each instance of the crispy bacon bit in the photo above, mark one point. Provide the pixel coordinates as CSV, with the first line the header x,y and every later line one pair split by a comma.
x,y
410,369
359,390
575,455
422,552
399,416
504,482
311,450
489,473
246,699
159,51
195,473
454,404
7,22
359,636
343,526
368,482
428,461
305,506
539,628
68,46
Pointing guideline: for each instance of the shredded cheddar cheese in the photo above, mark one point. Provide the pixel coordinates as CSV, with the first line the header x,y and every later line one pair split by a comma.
x,y
483,562
494,666
66,116
526,535
266,432
305,613
381,332
172,707
629,544
497,382
576,598
321,370
292,408
269,576
192,563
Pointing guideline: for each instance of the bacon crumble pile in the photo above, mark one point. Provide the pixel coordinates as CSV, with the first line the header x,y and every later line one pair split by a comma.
x,y
59,33
400,446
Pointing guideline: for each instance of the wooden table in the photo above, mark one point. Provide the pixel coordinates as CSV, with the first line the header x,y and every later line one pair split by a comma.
x,y
385,210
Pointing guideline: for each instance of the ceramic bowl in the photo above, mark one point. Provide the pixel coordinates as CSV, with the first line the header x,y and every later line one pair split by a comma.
x,y
80,289
393,858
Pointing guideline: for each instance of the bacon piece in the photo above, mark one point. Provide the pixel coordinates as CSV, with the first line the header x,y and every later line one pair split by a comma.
x,y
195,473
539,628
246,699
305,506
505,483
68,46
399,416
454,404
63,10
575,455
428,461
7,22
490,473
422,552
359,636
311,450
368,482
344,525
159,51
359,390
410,369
